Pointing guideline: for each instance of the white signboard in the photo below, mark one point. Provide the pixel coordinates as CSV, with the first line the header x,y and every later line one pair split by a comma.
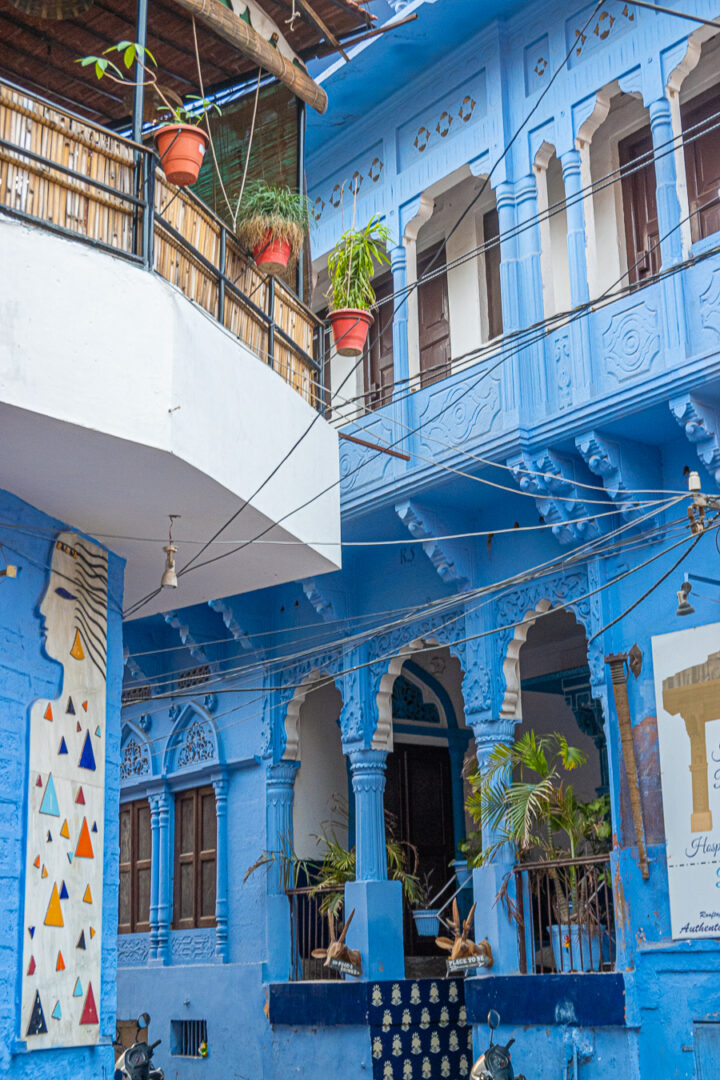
x,y
687,691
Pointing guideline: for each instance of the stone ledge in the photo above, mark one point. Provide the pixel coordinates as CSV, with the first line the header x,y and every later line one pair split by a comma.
x,y
589,1000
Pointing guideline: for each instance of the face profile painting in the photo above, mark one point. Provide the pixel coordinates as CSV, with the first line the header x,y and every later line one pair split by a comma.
x,y
62,923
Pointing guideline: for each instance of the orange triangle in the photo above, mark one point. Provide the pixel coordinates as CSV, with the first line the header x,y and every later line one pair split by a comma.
x,y
84,849
36,864
65,831
48,712
60,966
88,896
92,933
44,872
85,705
77,649
54,915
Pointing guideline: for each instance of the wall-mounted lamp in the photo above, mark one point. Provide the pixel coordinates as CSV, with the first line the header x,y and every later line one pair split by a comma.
x,y
169,579
684,606
9,570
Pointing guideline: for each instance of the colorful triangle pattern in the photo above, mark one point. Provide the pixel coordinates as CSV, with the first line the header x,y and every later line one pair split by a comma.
x,y
80,798
77,992
84,849
48,839
54,916
57,1012
37,1025
81,941
87,898
65,831
38,782
60,965
36,864
89,1013
63,892
87,758
78,726
43,872
70,708
62,749
85,705
31,966
97,731
49,804
70,856
47,715
77,652
94,827
92,933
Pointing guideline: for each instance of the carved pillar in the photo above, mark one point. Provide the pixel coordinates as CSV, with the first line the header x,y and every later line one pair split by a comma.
x,y
280,780
401,351
154,874
668,204
221,893
701,819
377,928
163,803
509,291
577,259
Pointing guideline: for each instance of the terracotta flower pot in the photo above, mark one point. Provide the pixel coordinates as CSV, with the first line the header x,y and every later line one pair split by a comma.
x,y
182,149
272,255
350,330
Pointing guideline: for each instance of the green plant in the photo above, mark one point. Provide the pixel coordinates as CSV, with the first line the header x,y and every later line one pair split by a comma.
x,y
270,208
337,863
352,264
190,111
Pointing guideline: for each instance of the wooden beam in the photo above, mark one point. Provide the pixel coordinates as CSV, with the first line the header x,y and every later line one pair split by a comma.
x,y
234,30
326,32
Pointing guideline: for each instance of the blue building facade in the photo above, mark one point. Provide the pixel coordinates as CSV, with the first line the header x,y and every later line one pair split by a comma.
x,y
547,400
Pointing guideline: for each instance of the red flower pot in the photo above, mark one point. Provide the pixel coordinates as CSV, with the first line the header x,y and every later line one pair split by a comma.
x,y
272,255
182,149
350,330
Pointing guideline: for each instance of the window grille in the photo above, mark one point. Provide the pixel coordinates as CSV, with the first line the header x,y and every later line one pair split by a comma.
x,y
136,693
193,677
186,1037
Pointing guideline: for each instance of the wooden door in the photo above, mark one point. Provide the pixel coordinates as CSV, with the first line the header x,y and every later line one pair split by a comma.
x,y
418,794
640,208
378,361
434,318
491,231
702,163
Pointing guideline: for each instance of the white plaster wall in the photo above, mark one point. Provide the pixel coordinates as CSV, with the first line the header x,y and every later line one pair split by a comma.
x,y
464,290
559,267
109,366
322,777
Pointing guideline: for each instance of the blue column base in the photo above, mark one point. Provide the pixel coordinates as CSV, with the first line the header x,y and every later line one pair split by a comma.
x,y
377,927
491,919
277,924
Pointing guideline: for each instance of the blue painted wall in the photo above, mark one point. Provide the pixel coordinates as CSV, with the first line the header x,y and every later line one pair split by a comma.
x,y
625,397
26,673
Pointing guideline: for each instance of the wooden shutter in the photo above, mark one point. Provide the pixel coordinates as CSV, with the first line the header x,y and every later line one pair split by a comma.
x,y
434,317
135,867
640,208
195,858
702,163
378,359
491,231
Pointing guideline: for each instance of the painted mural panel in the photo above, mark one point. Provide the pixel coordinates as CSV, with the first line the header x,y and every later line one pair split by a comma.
x,y
687,692
64,854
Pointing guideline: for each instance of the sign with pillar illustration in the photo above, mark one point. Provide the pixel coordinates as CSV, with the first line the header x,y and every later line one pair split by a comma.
x,y
687,690
62,927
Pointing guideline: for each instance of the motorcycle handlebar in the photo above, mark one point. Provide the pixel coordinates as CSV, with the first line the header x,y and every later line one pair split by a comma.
x,y
153,1045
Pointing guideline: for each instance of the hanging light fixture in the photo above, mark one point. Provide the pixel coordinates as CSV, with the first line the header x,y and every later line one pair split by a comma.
x,y
169,579
684,606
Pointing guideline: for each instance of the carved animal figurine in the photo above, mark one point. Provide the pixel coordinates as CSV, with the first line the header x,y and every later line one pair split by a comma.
x,y
462,946
337,949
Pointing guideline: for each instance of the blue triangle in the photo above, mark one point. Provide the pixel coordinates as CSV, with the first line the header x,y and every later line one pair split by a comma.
x,y
57,1012
87,758
97,731
49,837
70,856
31,931
94,827
64,892
70,707
77,992
49,804
63,746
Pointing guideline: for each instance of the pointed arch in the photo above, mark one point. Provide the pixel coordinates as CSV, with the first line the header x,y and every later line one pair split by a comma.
x,y
292,714
136,758
193,743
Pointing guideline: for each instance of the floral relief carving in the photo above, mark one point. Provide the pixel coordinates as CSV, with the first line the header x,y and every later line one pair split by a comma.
x,y
192,946
710,304
198,745
133,949
466,413
467,108
631,342
421,139
563,370
134,760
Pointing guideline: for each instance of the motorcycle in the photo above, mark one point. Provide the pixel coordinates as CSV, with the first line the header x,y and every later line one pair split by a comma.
x,y
495,1063
135,1062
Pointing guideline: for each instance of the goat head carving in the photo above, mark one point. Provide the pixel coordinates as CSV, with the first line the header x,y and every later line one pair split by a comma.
x,y
462,946
337,949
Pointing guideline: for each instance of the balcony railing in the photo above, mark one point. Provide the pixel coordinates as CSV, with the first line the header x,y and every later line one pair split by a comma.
x,y
564,913
310,929
82,181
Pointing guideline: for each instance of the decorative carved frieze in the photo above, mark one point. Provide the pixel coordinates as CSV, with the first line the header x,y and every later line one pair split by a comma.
x,y
624,467
701,423
550,477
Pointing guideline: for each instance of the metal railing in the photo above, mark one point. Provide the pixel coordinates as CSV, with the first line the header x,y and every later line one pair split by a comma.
x,y
82,181
310,930
565,916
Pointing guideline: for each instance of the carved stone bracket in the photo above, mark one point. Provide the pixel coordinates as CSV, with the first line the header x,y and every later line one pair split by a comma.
x,y
330,604
183,628
701,423
551,479
229,616
624,467
450,562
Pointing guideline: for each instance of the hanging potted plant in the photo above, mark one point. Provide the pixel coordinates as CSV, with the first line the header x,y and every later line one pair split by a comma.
x,y
181,143
273,223
425,915
351,267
